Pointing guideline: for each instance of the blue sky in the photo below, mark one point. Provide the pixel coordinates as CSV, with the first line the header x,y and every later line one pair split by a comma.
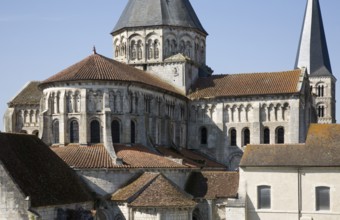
x,y
40,38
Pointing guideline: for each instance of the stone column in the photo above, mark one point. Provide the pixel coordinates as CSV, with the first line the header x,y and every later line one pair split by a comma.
x,y
63,128
210,209
255,137
83,134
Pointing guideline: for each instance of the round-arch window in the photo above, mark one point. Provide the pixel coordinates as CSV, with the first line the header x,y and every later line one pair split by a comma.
x,y
95,132
115,131
74,132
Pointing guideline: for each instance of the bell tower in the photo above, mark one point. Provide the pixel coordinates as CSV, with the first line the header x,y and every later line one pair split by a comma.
x,y
164,37
313,55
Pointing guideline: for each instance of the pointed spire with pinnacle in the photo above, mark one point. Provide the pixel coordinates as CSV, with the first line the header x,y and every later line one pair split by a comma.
x,y
312,51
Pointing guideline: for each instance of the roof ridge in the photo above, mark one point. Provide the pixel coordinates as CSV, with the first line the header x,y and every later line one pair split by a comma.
x,y
142,189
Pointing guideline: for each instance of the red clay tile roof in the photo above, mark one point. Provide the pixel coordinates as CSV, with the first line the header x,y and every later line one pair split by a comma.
x,y
191,158
97,157
98,67
213,184
154,190
29,95
85,157
39,173
322,149
127,193
246,84
140,156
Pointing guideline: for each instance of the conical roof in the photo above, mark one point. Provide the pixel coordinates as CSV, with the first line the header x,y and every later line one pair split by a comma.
x,y
144,13
313,51
100,68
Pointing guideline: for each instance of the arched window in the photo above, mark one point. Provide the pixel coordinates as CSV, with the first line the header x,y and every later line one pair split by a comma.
x,y
321,111
74,132
263,197
233,136
280,135
320,91
204,135
322,198
266,136
95,132
115,131
133,132
55,132
246,136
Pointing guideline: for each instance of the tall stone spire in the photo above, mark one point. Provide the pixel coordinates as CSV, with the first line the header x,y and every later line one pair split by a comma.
x,y
313,52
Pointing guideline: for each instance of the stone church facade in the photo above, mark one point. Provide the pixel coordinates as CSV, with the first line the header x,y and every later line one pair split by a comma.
x,y
157,94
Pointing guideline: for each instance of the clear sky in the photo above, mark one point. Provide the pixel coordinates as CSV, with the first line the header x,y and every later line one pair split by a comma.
x,y
39,38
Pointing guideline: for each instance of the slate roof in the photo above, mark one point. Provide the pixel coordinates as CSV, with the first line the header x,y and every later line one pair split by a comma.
x,y
100,68
191,158
29,95
313,51
236,85
178,13
153,190
97,157
39,173
213,184
322,149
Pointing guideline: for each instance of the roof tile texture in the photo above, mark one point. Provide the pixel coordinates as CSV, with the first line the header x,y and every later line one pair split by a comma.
x,y
153,190
29,95
246,84
213,184
39,173
98,67
191,158
97,157
322,149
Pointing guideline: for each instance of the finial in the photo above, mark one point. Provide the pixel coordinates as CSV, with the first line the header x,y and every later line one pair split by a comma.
x,y
94,50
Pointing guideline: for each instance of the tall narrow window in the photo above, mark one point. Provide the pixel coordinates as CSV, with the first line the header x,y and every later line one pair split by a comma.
x,y
55,132
233,136
246,136
74,132
280,135
133,132
266,136
322,198
263,197
115,131
204,135
320,91
95,132
321,111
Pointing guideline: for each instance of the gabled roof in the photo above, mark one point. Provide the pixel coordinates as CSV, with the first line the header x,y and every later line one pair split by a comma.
x,y
146,13
247,84
39,173
99,68
29,95
153,190
191,158
313,51
322,149
213,184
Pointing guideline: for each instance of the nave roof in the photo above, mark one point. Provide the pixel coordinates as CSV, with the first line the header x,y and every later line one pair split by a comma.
x,y
248,84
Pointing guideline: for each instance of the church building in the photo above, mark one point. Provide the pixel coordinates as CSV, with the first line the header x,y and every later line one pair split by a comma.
x,y
154,114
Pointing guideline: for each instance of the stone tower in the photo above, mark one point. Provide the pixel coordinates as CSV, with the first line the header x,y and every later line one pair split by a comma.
x,y
164,37
313,54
